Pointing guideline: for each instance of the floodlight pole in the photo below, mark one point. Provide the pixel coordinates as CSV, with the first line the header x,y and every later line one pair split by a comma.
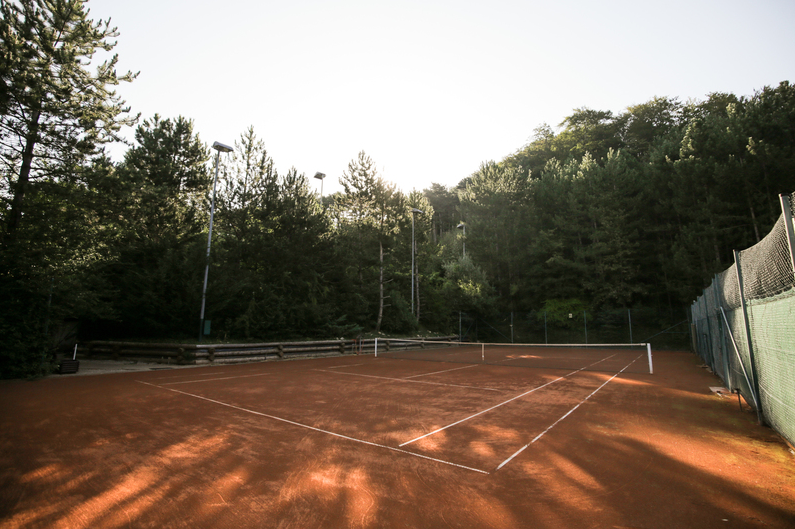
x,y
462,226
219,147
413,211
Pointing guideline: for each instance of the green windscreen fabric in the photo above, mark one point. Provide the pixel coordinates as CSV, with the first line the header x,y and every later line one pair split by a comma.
x,y
773,333
757,359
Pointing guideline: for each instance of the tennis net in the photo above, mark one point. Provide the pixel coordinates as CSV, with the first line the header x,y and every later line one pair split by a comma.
x,y
629,358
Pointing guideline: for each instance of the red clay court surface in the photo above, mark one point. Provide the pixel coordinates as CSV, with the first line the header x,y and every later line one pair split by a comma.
x,y
358,441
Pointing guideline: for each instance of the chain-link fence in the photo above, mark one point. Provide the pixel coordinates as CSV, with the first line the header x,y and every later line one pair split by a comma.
x,y
663,328
743,325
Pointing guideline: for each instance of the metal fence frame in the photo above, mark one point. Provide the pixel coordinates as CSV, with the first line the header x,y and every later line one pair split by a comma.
x,y
754,358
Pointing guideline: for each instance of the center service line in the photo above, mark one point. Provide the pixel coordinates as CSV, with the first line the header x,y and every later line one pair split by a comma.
x,y
539,436
393,449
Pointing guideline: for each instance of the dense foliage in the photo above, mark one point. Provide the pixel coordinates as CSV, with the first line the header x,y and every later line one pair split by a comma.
x,y
611,212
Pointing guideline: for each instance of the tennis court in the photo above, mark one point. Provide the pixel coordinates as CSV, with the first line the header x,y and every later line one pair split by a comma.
x,y
392,441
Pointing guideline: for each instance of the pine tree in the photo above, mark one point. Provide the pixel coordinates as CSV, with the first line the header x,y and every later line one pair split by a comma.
x,y
55,112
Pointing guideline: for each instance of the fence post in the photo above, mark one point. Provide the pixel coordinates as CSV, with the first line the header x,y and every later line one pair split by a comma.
x,y
786,208
585,321
546,339
747,325
710,334
721,336
629,316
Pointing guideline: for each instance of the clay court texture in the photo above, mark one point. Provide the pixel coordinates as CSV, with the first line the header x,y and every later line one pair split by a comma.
x,y
360,441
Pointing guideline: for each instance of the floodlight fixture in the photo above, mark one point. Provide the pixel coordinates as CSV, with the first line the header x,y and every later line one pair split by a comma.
x,y
220,147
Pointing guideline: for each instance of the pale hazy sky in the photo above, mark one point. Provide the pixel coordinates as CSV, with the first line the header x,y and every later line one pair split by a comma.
x,y
430,89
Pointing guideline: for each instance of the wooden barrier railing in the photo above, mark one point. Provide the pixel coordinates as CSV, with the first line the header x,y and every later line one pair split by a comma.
x,y
171,353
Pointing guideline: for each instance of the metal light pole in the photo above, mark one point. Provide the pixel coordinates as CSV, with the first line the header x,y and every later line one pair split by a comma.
x,y
413,211
320,176
220,147
462,226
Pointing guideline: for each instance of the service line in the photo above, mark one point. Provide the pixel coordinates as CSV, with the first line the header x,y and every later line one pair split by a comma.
x,y
539,436
211,379
437,372
369,443
204,374
501,403
407,380
346,365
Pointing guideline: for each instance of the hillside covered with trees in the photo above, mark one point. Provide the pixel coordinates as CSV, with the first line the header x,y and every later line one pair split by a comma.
x,y
603,213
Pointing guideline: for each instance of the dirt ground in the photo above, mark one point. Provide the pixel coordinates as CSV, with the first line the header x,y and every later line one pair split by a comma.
x,y
357,441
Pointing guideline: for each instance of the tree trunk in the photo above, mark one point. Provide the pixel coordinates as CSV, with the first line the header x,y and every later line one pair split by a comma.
x,y
753,219
20,188
380,286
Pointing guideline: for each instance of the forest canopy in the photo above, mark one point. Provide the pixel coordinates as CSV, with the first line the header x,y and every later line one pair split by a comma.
x,y
602,214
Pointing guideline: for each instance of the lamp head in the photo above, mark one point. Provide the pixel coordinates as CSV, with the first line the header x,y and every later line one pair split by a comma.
x,y
220,147
415,210
320,176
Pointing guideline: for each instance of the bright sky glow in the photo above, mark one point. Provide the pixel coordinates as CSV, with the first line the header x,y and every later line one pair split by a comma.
x,y
430,89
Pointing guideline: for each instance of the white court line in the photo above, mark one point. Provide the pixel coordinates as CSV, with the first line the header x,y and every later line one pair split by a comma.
x,y
211,379
563,357
348,365
205,374
437,372
315,429
498,405
406,380
539,436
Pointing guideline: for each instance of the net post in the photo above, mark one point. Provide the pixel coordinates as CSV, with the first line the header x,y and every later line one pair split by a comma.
x,y
648,352
483,352
376,347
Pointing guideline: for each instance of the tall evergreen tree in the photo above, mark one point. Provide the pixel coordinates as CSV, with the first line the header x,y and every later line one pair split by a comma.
x,y
55,112
374,208
160,215
55,117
